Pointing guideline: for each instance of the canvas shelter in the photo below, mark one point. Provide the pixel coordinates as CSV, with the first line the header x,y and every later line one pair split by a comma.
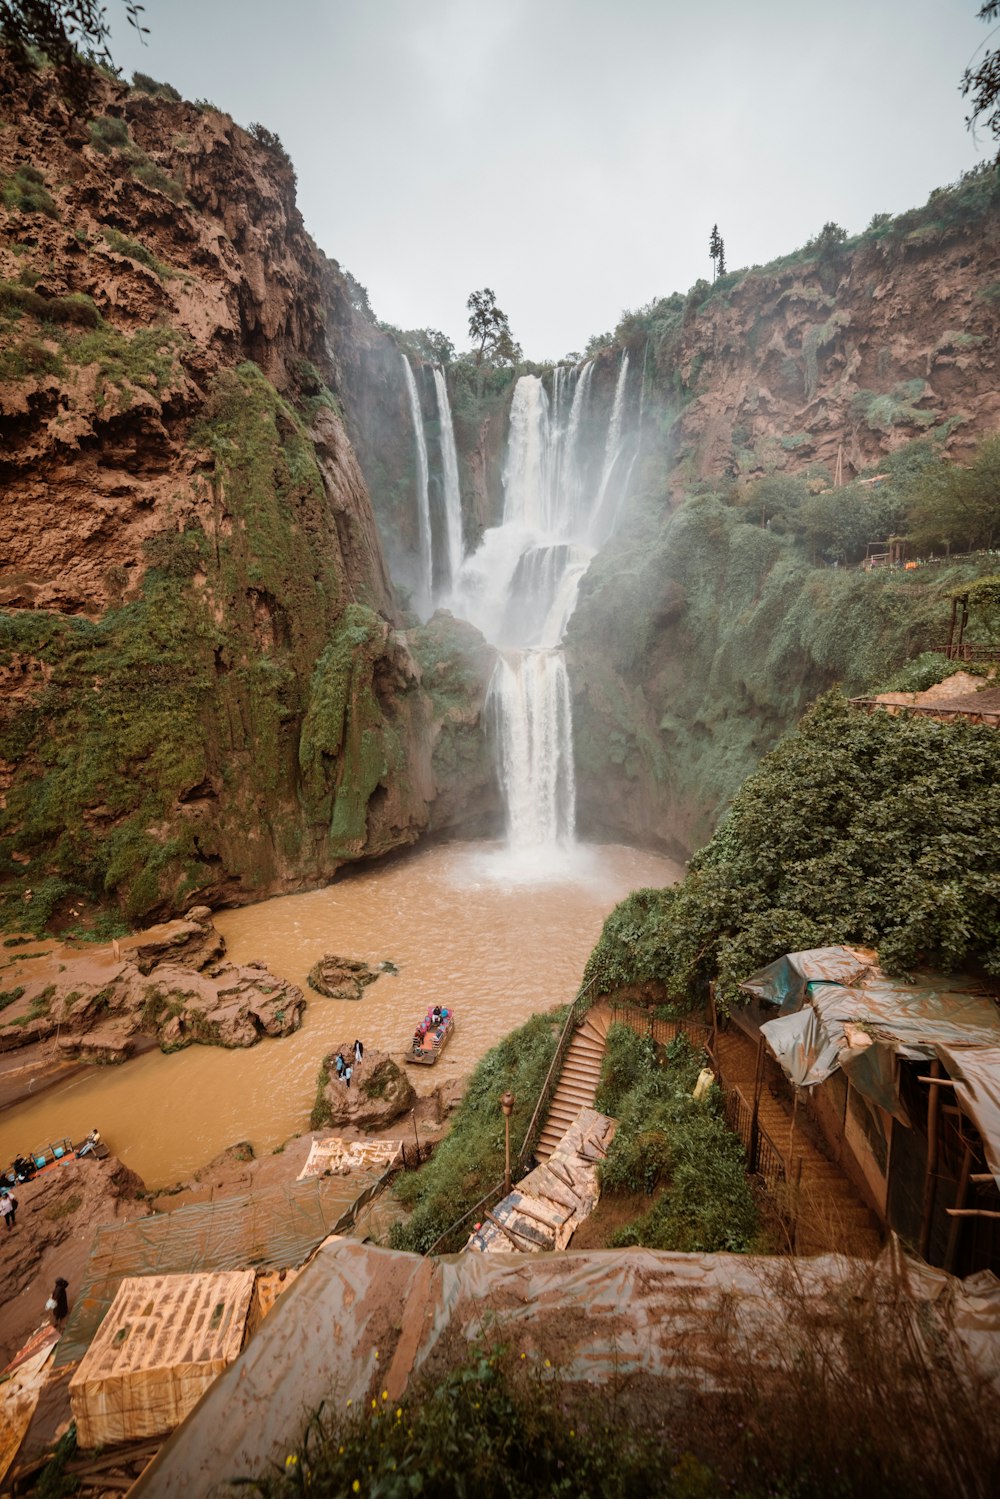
x,y
360,1319
906,1072
276,1228
165,1339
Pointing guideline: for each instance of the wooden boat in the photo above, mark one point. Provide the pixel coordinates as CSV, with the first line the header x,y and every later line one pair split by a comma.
x,y
430,1040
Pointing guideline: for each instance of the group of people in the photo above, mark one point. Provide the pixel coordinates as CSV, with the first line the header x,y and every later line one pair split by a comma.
x,y
432,1021
58,1303
344,1068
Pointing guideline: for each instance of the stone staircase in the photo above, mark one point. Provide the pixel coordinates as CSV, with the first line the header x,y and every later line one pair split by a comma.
x,y
581,1072
831,1216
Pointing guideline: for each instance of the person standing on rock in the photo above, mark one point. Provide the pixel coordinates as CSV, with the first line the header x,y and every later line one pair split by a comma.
x,y
58,1304
339,1064
8,1207
347,1075
359,1052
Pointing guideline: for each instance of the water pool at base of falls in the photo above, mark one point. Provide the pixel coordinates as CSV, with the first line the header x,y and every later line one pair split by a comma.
x,y
494,933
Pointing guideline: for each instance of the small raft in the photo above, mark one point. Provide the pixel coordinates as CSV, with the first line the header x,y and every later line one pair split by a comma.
x,y
430,1038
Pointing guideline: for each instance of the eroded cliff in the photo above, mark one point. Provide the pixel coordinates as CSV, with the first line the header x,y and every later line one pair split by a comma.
x,y
206,684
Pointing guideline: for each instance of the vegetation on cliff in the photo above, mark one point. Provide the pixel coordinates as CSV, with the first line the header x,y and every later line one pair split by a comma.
x,y
703,635
227,672
672,1147
860,828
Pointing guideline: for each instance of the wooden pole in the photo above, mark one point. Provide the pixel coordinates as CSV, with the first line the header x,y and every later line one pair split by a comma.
x,y
754,1124
956,1222
929,1176
715,1017
951,629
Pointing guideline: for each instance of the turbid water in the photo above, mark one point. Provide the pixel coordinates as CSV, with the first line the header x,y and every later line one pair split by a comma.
x,y
466,924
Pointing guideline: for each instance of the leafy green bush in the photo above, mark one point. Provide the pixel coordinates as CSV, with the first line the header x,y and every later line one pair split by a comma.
x,y
665,1137
859,828
143,84
924,671
26,192
108,133
470,1159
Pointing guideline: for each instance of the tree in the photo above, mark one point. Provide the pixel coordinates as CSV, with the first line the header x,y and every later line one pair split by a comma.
x,y
714,249
72,35
958,508
721,268
828,241
490,330
983,83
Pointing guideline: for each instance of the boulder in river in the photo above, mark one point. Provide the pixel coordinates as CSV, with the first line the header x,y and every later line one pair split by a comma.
x,y
341,978
379,1092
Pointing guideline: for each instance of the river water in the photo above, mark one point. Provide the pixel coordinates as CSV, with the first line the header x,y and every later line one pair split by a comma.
x,y
467,925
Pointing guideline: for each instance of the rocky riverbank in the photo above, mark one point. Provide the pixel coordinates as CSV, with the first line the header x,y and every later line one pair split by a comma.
x,y
63,1004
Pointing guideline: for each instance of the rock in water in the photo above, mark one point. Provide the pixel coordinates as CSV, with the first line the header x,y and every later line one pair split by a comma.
x,y
379,1092
341,978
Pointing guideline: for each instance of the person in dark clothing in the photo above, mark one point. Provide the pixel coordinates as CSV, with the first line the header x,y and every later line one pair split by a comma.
x,y
359,1052
59,1302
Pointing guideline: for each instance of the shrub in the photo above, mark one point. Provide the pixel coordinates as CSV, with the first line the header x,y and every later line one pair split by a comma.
x,y
143,84
859,828
108,133
26,191
135,250
665,1137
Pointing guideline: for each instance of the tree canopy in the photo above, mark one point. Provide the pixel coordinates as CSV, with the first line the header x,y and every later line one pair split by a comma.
x,y
859,828
490,330
983,81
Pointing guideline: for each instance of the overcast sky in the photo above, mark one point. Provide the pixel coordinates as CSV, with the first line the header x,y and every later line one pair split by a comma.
x,y
574,154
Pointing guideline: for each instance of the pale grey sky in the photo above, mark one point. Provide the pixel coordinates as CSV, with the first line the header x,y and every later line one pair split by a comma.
x,y
574,154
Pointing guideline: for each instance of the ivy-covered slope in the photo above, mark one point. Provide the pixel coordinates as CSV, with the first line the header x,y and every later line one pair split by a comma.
x,y
861,828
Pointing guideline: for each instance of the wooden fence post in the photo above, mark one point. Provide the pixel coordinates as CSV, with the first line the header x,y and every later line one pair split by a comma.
x,y
754,1126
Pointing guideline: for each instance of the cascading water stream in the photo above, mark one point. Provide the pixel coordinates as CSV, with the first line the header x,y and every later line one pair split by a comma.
x,y
450,485
426,584
520,588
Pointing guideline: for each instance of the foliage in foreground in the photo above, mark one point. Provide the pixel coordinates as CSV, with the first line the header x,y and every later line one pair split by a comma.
x,y
859,828
851,1394
665,1137
470,1160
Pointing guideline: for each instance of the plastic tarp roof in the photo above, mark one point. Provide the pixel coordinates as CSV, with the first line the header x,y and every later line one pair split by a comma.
x,y
360,1320
273,1229
836,1008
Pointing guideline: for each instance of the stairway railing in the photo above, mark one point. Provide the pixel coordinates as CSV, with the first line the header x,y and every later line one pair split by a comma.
x,y
530,1140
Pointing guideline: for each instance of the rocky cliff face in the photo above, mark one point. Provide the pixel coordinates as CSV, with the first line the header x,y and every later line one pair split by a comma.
x,y
701,635
206,687
836,359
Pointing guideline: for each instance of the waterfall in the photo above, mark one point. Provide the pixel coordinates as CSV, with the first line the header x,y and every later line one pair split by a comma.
x,y
426,583
452,493
562,491
605,511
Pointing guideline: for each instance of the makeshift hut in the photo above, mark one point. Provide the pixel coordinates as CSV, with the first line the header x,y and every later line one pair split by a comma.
x,y
165,1339
902,1078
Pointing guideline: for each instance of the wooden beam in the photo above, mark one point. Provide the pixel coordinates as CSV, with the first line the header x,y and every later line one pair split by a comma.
x,y
939,1082
956,1211
510,1232
930,1183
971,1213
982,1176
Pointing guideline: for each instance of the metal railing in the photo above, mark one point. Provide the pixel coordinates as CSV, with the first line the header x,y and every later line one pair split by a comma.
x,y
535,1123
645,1023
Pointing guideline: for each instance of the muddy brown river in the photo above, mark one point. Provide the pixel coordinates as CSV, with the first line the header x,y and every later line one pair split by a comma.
x,y
463,924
